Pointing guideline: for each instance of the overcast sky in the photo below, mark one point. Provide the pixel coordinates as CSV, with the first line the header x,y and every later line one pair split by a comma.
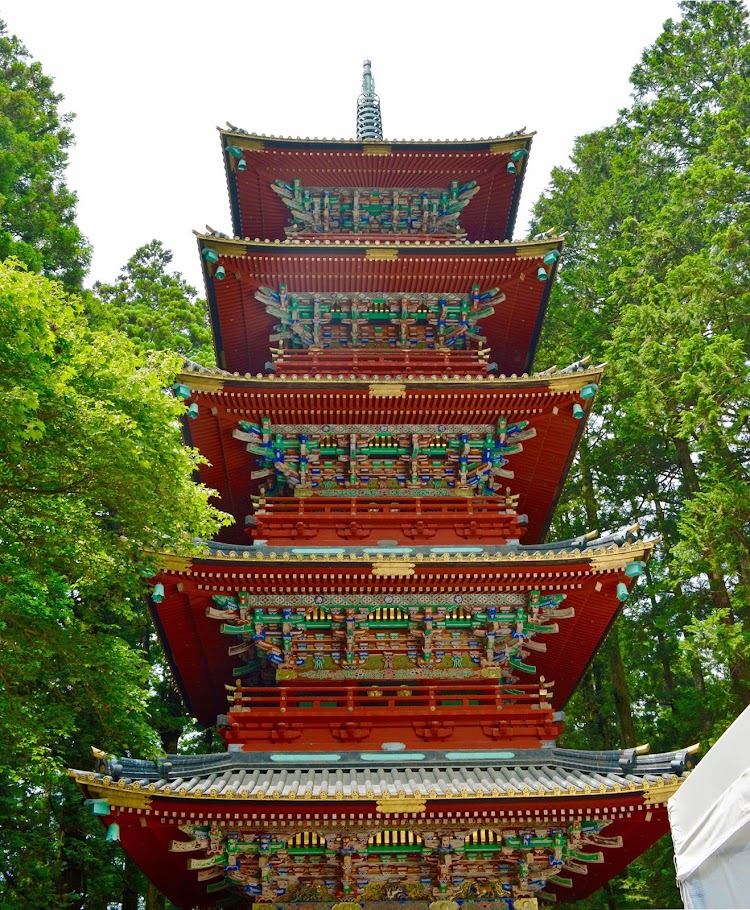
x,y
149,83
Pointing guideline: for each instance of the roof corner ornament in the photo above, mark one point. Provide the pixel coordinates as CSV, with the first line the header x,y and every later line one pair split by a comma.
x,y
369,120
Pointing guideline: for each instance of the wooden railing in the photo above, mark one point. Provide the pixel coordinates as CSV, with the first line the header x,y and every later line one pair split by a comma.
x,y
386,699
404,507
381,360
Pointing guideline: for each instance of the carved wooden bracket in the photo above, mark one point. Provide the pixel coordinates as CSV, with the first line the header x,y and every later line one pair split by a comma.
x,y
353,731
284,733
418,529
433,730
353,530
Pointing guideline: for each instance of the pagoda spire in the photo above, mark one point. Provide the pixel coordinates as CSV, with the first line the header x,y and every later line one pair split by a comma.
x,y
369,121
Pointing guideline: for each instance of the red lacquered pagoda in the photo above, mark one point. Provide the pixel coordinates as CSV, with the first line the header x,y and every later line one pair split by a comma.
x,y
382,638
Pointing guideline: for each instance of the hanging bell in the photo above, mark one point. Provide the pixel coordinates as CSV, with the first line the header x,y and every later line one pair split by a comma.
x,y
541,274
511,168
113,833
242,165
192,411
578,411
622,591
157,595
220,273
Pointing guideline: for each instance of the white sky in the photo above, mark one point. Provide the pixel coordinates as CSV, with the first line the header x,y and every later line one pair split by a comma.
x,y
149,83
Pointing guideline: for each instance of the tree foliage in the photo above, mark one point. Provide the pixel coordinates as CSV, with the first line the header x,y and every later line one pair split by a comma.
x,y
655,281
37,210
156,308
93,476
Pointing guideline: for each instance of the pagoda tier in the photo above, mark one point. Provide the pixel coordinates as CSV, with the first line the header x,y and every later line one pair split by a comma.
x,y
390,437
392,295
384,614
285,828
378,188
418,715
289,521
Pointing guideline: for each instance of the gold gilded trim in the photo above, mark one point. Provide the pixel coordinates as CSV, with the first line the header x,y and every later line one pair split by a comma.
x,y
618,559
126,797
400,806
387,390
395,569
520,249
170,562
203,383
248,145
499,148
123,795
657,794
388,254
377,148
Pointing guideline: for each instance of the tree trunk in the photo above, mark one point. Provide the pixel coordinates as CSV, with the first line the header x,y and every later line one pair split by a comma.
x,y
600,699
155,900
71,883
661,645
620,690
612,650
130,893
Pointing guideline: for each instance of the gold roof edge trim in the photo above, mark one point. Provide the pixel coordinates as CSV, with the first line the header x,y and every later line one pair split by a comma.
x,y
553,382
239,136
659,792
124,795
530,249
607,558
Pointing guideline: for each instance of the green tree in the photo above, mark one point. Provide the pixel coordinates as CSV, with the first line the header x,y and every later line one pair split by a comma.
x,y
654,280
156,308
94,477
37,210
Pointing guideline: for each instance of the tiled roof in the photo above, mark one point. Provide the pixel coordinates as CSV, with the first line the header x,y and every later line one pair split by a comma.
x,y
394,164
608,542
361,776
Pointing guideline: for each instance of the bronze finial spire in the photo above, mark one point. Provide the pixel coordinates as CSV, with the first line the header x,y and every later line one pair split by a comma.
x,y
369,121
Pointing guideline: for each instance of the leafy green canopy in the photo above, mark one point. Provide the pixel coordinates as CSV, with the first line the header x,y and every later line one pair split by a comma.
x,y
156,308
37,210
93,476
654,280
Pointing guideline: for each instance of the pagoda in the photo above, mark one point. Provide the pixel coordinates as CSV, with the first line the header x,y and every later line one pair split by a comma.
x,y
383,638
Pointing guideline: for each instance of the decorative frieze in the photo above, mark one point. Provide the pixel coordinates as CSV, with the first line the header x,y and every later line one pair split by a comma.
x,y
446,862
390,321
368,210
391,640
374,457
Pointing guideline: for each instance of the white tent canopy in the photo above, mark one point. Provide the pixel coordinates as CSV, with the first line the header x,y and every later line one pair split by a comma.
x,y
710,819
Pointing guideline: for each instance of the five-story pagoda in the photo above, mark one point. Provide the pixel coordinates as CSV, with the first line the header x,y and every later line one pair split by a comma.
x,y
382,638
